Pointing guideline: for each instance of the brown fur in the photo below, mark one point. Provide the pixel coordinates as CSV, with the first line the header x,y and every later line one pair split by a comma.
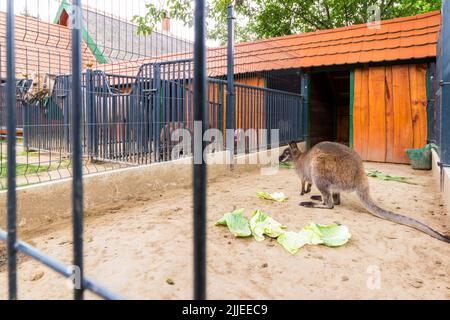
x,y
166,138
334,168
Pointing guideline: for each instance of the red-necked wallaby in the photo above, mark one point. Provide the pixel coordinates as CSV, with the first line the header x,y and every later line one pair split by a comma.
x,y
334,168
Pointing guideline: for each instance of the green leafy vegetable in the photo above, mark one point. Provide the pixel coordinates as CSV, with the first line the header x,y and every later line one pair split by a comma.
x,y
292,241
236,223
313,234
275,196
286,165
383,176
330,235
261,224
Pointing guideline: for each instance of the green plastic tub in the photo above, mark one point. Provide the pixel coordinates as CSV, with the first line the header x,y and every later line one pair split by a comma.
x,y
421,158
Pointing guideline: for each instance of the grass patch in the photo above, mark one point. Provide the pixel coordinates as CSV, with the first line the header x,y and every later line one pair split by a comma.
x,y
28,153
23,169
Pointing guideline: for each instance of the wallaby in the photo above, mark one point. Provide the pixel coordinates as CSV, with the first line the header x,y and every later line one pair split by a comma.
x,y
333,168
166,142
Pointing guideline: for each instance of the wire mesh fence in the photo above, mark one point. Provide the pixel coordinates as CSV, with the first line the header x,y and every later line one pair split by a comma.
x,y
137,90
134,89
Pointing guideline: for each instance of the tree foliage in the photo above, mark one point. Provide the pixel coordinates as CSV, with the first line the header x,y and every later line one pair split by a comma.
x,y
256,19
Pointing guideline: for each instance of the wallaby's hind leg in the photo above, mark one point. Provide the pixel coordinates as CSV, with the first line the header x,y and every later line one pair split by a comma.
x,y
327,200
302,191
336,198
306,187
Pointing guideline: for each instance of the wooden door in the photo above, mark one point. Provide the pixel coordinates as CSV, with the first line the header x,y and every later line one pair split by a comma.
x,y
389,111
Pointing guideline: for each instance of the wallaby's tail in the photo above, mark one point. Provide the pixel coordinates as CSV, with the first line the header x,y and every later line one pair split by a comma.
x,y
368,203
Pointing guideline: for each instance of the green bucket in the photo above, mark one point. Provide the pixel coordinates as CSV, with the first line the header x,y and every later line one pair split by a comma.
x,y
421,158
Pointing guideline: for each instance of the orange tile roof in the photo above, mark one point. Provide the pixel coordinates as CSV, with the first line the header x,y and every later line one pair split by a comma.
x,y
397,39
40,47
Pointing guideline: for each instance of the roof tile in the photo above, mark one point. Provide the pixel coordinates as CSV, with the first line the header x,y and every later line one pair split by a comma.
x,y
397,39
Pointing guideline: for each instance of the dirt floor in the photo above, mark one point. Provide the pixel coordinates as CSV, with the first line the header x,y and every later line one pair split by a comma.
x,y
144,249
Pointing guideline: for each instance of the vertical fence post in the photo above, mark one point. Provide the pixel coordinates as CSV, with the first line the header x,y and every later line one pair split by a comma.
x,y
77,182
157,112
230,115
26,124
431,78
11,147
199,178
445,84
305,97
352,102
66,107
90,114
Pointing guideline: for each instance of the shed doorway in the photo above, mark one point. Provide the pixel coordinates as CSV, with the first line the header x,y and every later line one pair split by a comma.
x,y
330,107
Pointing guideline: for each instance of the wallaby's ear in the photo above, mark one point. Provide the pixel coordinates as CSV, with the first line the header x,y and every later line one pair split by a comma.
x,y
293,145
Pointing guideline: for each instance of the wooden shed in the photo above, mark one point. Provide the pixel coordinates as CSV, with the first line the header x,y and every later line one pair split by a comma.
x,y
367,86
364,85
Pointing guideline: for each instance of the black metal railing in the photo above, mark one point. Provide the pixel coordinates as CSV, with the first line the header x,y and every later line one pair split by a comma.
x,y
129,120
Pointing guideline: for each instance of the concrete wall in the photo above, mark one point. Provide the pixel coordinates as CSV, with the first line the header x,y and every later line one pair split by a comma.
x,y
446,178
41,206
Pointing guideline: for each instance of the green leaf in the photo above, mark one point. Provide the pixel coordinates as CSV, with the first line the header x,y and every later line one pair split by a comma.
x,y
275,196
331,235
386,177
236,223
292,241
313,234
261,224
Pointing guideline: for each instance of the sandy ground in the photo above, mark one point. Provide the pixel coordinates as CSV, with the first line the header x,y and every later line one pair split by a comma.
x,y
144,249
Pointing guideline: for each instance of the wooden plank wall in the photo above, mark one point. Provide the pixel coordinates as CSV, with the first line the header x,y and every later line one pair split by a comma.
x,y
249,105
389,111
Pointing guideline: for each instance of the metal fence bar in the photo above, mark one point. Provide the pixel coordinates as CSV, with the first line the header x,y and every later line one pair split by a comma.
x,y
431,83
200,173
11,166
77,163
305,96
230,114
445,85
59,267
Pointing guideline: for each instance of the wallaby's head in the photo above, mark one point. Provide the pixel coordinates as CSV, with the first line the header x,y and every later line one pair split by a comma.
x,y
291,153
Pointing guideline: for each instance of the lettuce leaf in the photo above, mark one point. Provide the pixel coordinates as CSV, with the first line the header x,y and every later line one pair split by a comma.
x,y
313,234
236,223
274,196
292,241
333,235
261,224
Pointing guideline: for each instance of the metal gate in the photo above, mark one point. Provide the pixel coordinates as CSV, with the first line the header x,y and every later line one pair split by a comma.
x,y
131,119
442,99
